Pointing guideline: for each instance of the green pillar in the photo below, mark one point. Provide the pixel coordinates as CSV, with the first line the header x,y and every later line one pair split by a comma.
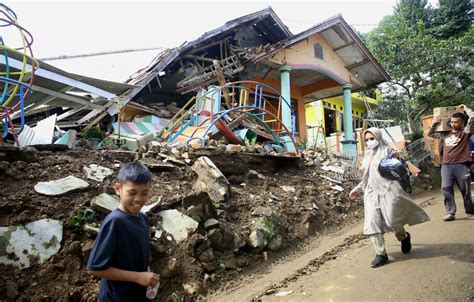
x,y
286,104
349,145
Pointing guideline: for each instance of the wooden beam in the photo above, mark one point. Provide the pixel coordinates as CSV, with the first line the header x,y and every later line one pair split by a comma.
x,y
320,85
357,64
205,46
198,58
343,46
66,97
222,82
96,120
231,125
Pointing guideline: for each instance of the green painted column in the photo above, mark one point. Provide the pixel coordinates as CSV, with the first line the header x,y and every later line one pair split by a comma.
x,y
286,106
349,145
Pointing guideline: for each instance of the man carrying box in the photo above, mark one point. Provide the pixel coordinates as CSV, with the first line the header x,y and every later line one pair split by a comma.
x,y
455,161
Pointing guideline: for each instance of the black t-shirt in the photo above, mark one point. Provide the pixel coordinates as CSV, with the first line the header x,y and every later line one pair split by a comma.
x,y
123,243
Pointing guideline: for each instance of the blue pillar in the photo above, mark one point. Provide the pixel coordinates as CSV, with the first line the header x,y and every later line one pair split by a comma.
x,y
349,145
286,105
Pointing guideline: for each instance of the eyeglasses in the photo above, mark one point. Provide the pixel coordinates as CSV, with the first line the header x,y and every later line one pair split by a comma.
x,y
370,139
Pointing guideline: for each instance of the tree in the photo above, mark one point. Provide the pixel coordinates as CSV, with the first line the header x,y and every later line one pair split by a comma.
x,y
452,18
426,72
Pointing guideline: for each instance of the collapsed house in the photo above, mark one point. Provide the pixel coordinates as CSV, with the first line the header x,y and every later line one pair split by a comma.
x,y
247,81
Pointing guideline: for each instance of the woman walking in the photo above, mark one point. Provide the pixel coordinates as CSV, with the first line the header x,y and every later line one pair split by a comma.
x,y
387,207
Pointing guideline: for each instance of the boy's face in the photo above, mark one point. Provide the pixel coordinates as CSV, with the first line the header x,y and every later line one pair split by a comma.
x,y
457,123
132,196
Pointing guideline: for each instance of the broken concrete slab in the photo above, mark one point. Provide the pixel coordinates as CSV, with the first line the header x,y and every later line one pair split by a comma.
x,y
150,207
105,203
97,173
210,180
288,189
177,224
120,155
156,165
61,186
211,224
33,243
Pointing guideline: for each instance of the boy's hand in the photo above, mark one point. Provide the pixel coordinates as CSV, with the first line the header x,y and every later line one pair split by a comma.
x,y
436,120
147,279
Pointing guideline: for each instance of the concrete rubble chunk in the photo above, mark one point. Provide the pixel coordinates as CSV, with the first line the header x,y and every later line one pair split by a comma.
x,y
211,224
263,230
154,146
61,186
263,211
177,224
288,189
337,188
120,155
210,180
105,203
34,243
97,173
333,169
255,174
233,148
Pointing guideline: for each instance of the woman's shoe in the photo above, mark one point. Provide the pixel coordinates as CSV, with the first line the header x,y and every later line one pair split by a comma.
x,y
406,244
379,260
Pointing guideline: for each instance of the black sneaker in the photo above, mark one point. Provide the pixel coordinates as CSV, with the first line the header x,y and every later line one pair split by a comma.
x,y
406,244
379,260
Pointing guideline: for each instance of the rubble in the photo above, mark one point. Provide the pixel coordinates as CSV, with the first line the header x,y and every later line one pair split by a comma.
x,y
61,186
105,203
177,224
97,173
31,244
211,180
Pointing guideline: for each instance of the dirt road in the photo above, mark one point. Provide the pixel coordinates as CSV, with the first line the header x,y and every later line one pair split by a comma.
x,y
336,267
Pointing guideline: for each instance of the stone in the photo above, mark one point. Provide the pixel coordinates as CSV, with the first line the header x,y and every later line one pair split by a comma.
x,y
233,148
191,288
152,206
105,203
207,255
338,188
263,211
177,225
263,230
288,189
210,180
97,173
154,146
33,243
275,243
202,205
170,269
11,289
61,186
255,174
231,263
211,224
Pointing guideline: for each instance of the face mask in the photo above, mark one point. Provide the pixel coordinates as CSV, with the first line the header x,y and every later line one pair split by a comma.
x,y
372,144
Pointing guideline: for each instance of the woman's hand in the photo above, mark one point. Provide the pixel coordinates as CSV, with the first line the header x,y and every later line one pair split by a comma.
x,y
353,194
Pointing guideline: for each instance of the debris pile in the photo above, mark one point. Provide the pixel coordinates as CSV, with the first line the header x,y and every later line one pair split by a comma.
x,y
214,212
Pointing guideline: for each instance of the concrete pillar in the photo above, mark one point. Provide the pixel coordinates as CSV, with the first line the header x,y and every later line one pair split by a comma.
x,y
286,105
349,144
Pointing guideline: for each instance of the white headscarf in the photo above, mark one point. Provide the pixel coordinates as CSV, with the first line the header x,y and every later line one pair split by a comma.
x,y
378,152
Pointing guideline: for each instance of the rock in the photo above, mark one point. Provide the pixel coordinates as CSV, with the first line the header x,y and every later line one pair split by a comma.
x,y
191,288
171,159
288,189
177,224
105,203
33,243
201,204
170,268
231,263
264,229
156,165
275,243
154,146
263,211
97,173
211,224
207,256
255,174
11,289
61,186
233,148
222,239
338,188
151,206
210,180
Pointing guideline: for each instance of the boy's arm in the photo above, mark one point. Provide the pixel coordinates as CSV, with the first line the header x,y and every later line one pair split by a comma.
x,y
115,274
431,132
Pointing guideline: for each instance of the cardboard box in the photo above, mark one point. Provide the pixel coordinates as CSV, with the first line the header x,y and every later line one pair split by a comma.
x,y
444,125
447,111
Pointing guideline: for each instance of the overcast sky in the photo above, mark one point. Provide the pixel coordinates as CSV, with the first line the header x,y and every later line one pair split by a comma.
x,y
77,27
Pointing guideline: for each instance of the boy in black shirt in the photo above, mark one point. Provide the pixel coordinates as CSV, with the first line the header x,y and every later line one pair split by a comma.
x,y
121,250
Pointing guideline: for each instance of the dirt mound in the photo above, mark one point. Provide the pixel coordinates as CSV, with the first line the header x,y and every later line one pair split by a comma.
x,y
283,194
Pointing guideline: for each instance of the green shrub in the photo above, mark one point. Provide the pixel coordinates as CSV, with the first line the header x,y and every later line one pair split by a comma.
x,y
82,217
93,132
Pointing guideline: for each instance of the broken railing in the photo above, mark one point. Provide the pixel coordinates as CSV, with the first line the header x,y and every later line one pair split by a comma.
x,y
207,115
